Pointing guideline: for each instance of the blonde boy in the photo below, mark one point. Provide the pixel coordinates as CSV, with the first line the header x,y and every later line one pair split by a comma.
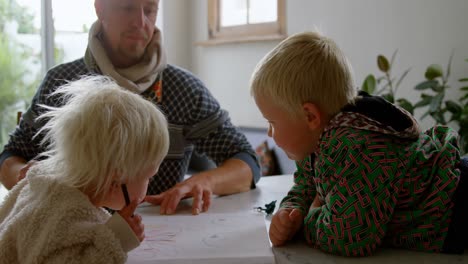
x,y
366,176
106,144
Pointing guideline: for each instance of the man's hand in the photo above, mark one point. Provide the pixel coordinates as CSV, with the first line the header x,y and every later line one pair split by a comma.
x,y
196,187
284,225
133,220
233,176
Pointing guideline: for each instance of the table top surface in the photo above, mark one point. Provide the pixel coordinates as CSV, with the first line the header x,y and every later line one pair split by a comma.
x,y
272,188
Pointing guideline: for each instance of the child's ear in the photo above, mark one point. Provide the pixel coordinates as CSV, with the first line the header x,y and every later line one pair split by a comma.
x,y
99,6
313,115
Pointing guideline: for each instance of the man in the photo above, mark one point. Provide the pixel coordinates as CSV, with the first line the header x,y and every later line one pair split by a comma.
x,y
125,44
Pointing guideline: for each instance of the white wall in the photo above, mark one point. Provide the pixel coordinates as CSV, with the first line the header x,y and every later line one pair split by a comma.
x,y
174,21
423,31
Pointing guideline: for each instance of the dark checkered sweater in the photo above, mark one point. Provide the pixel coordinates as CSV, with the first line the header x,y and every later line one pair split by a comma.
x,y
196,123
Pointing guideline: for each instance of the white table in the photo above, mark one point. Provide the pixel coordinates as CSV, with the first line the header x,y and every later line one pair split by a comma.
x,y
275,188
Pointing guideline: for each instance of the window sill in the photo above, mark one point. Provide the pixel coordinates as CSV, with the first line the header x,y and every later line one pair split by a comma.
x,y
236,40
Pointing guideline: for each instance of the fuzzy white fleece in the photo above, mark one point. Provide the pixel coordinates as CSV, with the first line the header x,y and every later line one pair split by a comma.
x,y
43,221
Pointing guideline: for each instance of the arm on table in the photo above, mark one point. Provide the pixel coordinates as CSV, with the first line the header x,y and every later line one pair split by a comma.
x,y
233,176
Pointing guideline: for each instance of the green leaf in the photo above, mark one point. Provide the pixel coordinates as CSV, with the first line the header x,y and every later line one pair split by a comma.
x,y
454,117
463,98
439,88
449,66
464,124
439,118
463,142
425,115
405,104
464,88
465,111
425,100
369,84
463,80
453,107
382,63
389,97
433,71
426,85
434,107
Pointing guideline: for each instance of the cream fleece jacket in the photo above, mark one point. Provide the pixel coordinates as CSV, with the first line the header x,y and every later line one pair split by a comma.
x,y
43,221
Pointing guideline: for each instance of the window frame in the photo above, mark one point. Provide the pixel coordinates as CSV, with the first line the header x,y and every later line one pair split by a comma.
x,y
244,33
47,35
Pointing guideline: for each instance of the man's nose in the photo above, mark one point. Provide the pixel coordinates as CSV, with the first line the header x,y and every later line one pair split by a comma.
x,y
138,17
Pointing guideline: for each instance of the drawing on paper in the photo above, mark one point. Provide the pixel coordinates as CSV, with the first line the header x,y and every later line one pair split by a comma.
x,y
159,240
216,240
191,239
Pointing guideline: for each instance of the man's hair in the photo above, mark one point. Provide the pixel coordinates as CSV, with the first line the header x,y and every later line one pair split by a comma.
x,y
305,68
102,134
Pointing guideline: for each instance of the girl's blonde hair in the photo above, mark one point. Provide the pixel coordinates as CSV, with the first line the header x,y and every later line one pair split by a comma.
x,y
102,134
305,68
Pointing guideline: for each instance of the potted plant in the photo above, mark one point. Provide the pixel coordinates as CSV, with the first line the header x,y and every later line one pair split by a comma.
x,y
433,90
444,112
387,85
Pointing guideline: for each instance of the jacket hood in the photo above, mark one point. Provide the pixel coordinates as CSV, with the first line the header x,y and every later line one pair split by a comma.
x,y
374,113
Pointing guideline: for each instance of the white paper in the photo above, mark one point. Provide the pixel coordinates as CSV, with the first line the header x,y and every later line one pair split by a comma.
x,y
204,239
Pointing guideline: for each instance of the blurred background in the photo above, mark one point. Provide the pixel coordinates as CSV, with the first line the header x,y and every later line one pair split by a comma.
x,y
221,41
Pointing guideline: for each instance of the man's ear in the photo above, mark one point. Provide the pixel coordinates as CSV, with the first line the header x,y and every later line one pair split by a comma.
x,y
314,116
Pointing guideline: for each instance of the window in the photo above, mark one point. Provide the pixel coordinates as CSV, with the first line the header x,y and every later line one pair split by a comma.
x,y
71,30
35,35
245,20
20,59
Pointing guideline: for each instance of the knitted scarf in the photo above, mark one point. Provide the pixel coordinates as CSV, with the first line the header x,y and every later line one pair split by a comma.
x,y
136,78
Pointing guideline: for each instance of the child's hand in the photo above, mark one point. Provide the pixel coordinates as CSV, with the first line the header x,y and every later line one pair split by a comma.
x,y
24,169
133,220
284,225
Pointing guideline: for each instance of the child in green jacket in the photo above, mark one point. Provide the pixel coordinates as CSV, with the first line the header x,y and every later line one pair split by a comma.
x,y
366,175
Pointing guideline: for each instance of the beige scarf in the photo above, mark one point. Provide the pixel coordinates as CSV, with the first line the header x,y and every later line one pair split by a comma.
x,y
136,78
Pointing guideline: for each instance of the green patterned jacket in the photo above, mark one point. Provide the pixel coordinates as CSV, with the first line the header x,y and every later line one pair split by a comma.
x,y
380,182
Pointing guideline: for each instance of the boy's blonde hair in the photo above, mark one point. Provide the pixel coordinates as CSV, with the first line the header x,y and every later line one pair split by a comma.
x,y
305,68
102,134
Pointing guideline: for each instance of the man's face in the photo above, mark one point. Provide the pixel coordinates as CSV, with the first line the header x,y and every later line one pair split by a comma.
x,y
128,26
